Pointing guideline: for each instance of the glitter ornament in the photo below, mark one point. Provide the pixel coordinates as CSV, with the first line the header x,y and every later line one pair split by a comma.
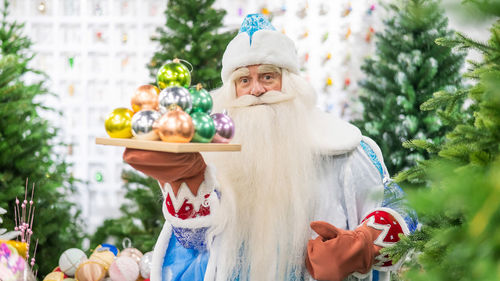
x,y
175,95
145,265
124,269
175,126
70,260
224,127
118,123
173,73
142,124
145,97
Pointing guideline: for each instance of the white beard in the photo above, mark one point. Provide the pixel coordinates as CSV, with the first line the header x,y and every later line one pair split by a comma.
x,y
268,189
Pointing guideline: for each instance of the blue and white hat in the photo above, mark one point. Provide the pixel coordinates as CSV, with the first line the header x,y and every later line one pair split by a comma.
x,y
258,42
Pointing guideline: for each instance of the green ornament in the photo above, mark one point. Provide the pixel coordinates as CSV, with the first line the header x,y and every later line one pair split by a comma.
x,y
202,101
204,127
99,177
173,73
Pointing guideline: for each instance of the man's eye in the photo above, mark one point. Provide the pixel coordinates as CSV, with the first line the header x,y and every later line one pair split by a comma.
x,y
244,80
268,77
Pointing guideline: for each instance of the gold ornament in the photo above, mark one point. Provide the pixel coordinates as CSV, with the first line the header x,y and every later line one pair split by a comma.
x,y
118,123
175,126
145,97
102,256
54,276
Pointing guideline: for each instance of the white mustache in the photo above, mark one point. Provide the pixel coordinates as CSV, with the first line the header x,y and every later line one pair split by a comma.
x,y
267,98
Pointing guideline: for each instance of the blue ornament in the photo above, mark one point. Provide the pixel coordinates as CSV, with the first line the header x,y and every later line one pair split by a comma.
x,y
109,247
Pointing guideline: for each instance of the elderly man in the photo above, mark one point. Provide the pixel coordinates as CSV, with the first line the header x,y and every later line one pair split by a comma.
x,y
307,198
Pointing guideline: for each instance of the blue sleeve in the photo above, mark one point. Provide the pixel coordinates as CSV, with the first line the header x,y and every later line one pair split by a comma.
x,y
394,196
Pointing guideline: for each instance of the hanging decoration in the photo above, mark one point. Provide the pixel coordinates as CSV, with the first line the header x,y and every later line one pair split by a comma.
x,y
369,34
371,9
347,10
42,7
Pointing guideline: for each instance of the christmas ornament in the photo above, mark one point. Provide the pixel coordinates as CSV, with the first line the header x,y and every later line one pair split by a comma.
x,y
109,247
325,37
42,7
265,11
12,265
369,34
201,99
204,127
124,269
90,271
102,256
71,89
70,260
118,123
329,81
175,95
145,265
128,251
371,9
54,276
145,97
347,82
98,176
224,127
124,38
347,10
71,61
142,124
175,126
173,73
348,33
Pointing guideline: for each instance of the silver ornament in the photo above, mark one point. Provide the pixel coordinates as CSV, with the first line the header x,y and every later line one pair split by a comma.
x,y
175,95
142,124
145,265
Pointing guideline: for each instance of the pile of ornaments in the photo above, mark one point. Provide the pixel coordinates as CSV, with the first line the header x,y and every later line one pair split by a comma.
x,y
106,263
172,112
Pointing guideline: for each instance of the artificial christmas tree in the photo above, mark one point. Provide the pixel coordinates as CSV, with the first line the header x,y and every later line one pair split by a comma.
x,y
27,151
407,69
193,33
460,210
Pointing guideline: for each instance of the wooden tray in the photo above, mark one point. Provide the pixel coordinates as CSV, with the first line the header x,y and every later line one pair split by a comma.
x,y
168,146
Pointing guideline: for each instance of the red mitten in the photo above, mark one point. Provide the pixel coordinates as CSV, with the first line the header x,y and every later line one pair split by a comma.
x,y
337,253
166,167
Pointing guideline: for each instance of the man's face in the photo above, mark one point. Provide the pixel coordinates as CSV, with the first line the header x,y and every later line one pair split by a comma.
x,y
257,80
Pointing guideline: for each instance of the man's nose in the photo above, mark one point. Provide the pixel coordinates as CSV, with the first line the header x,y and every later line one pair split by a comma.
x,y
257,89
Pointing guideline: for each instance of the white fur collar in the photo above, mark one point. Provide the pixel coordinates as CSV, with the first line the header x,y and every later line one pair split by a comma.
x,y
334,136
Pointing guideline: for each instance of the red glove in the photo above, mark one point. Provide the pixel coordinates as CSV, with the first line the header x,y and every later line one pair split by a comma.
x,y
166,167
337,253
